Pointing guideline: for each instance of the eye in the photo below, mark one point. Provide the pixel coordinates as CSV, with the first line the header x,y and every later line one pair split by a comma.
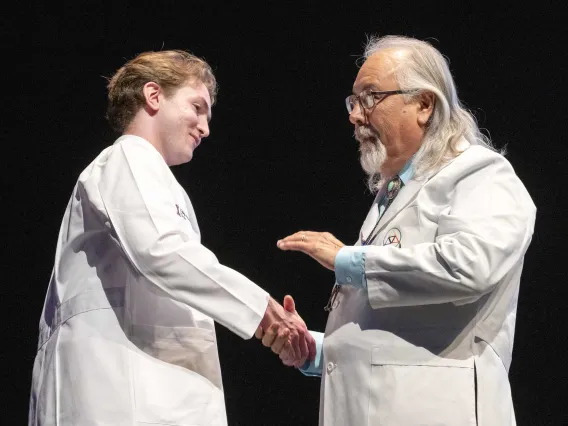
x,y
197,107
368,100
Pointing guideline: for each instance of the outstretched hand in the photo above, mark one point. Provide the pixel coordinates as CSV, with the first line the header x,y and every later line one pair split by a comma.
x,y
321,246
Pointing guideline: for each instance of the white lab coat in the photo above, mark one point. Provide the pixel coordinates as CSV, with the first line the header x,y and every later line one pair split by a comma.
x,y
429,342
127,334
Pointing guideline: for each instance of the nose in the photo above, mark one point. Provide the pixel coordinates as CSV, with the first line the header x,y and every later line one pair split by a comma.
x,y
356,116
203,127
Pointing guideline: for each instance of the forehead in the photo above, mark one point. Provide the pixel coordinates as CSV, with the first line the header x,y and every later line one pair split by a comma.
x,y
377,73
195,92
195,89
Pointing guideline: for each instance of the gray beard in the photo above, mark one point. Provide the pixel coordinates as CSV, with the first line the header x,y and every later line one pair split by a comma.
x,y
373,152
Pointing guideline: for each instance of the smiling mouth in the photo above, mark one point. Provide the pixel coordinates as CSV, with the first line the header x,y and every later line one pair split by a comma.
x,y
196,140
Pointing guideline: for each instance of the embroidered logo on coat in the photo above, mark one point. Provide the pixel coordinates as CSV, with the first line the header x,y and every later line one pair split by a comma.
x,y
181,213
393,238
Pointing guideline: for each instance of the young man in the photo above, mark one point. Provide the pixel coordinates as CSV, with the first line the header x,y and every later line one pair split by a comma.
x,y
127,334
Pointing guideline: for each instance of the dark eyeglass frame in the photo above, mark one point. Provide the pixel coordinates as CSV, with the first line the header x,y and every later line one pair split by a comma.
x,y
375,96
332,303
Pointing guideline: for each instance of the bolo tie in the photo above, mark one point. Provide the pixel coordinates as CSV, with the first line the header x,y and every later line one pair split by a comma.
x,y
393,187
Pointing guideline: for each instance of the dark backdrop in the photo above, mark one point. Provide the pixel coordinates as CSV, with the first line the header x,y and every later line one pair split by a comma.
x,y
280,158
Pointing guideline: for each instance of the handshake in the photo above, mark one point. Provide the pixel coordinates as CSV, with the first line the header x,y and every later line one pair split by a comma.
x,y
284,331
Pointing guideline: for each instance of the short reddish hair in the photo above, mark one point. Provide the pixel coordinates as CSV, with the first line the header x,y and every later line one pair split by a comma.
x,y
170,69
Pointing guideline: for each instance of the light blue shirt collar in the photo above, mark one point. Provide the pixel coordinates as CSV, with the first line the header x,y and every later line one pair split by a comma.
x,y
407,171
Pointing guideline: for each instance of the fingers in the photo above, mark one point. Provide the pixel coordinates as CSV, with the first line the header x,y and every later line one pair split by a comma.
x,y
275,338
280,341
307,344
321,246
270,335
301,236
291,358
259,333
304,352
294,349
300,241
298,350
284,331
294,352
306,240
287,356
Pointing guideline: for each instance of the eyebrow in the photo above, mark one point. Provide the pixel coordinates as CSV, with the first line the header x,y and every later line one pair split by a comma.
x,y
366,87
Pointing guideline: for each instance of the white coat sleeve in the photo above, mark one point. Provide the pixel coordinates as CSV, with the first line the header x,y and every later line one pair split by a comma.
x,y
481,236
139,203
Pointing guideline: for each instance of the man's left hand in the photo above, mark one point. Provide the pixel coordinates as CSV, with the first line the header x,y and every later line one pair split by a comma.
x,y
322,246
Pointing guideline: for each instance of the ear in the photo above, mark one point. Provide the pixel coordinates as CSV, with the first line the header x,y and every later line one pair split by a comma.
x,y
152,93
426,103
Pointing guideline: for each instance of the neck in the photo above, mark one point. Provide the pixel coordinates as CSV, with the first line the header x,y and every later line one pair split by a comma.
x,y
397,157
143,128
393,165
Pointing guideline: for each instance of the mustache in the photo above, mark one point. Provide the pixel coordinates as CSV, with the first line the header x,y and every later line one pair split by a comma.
x,y
363,133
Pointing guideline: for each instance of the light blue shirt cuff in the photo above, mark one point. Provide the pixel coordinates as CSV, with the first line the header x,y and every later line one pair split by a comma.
x,y
314,368
350,266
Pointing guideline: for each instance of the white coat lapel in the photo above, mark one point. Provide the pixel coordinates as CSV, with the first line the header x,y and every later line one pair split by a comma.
x,y
408,192
405,196
370,220
191,213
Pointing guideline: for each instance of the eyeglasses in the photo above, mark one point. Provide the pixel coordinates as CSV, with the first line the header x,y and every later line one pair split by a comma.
x,y
332,303
369,98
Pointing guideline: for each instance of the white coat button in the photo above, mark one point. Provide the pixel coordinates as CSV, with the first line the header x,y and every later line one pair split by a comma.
x,y
330,367
348,279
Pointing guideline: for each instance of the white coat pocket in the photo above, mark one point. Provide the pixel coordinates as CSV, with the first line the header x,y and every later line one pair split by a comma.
x,y
174,383
192,348
420,388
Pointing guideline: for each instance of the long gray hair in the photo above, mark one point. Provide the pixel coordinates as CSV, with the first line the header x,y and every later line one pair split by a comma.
x,y
424,68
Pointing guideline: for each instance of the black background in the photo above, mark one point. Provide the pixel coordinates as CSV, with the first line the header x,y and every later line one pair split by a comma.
x,y
280,158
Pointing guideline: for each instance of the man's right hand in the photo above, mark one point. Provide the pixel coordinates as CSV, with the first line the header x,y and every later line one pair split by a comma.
x,y
281,327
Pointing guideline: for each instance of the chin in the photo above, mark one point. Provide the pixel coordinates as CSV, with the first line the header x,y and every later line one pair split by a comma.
x,y
180,159
187,154
186,159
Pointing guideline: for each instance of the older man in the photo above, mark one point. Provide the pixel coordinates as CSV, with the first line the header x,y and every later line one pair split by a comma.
x,y
422,315
127,334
